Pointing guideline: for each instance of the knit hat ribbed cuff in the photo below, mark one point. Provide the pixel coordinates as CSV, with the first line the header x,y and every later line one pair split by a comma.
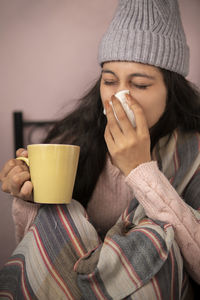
x,y
145,47
149,32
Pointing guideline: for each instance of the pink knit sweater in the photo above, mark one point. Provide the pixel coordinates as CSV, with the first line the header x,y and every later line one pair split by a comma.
x,y
111,196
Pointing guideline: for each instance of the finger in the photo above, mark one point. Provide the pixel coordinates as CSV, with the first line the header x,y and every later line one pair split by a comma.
x,y
26,191
20,166
124,121
142,126
109,139
6,168
17,180
10,165
112,121
8,183
22,152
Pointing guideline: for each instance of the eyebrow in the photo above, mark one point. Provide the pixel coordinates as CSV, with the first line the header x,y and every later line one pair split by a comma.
x,y
131,75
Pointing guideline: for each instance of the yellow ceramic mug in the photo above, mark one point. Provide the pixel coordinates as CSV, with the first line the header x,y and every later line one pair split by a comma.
x,y
53,170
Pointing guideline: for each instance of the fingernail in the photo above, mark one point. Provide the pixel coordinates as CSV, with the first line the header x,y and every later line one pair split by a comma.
x,y
107,104
128,101
24,153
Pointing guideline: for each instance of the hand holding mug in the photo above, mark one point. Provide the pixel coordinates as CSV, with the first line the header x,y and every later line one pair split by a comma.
x,y
15,178
53,170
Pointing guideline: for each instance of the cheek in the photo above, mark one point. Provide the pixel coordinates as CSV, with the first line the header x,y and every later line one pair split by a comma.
x,y
106,92
154,107
102,94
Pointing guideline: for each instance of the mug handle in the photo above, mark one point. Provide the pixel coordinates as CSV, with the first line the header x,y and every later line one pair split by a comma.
x,y
25,159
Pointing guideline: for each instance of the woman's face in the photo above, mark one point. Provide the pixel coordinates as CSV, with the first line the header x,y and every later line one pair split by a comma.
x,y
144,82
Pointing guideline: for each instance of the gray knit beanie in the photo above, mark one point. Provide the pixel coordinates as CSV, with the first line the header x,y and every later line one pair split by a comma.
x,y
147,31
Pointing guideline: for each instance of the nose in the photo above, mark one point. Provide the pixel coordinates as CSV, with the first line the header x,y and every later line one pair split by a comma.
x,y
122,87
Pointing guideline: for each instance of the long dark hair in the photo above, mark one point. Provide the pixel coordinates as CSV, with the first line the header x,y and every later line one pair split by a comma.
x,y
86,124
182,107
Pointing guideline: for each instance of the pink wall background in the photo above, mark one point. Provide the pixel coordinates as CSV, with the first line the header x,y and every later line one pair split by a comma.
x,y
48,57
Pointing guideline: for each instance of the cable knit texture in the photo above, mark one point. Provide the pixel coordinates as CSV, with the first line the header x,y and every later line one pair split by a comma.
x,y
161,202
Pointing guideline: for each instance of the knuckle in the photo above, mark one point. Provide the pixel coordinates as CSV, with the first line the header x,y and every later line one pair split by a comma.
x,y
132,144
117,152
122,116
11,163
4,187
18,169
16,179
144,137
19,151
112,121
138,109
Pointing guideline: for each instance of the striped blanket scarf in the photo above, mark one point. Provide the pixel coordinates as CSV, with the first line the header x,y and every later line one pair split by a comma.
x,y
62,256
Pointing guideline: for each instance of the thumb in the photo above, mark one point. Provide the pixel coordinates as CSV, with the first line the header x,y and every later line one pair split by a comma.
x,y
22,152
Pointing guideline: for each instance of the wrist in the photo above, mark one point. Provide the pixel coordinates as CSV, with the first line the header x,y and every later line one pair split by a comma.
x,y
128,170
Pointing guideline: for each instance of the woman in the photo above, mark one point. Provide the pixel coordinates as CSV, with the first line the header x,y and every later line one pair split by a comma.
x,y
139,186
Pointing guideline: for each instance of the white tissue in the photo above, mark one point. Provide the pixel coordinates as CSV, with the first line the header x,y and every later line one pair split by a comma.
x,y
122,98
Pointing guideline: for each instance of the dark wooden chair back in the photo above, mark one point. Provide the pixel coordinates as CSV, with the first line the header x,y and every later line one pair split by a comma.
x,y
28,132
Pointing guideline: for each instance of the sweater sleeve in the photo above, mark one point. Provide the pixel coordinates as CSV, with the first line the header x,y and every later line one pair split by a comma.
x,y
161,202
23,214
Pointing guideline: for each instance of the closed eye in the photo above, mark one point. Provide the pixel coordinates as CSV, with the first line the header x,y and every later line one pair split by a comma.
x,y
140,86
109,82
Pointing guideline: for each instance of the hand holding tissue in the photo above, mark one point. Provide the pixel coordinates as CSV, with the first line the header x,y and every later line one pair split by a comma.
x,y
122,98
